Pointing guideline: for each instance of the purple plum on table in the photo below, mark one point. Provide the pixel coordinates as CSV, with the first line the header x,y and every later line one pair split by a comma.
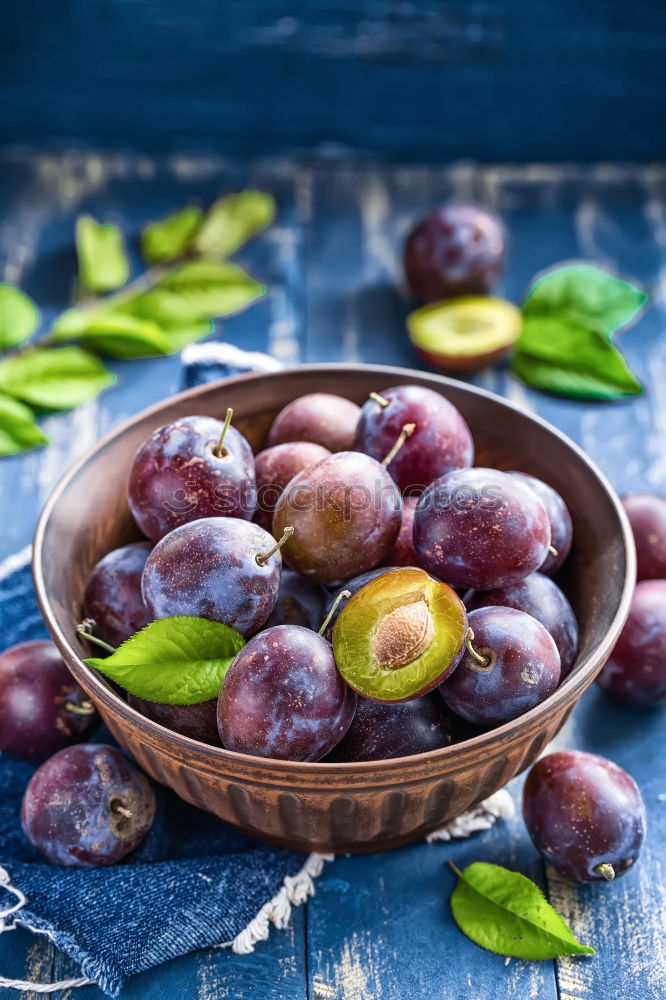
x,y
42,708
584,814
635,673
459,249
647,516
87,806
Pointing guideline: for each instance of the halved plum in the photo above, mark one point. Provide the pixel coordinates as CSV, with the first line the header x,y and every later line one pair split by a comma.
x,y
399,636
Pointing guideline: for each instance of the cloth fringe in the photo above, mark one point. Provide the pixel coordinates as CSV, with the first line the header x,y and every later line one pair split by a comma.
x,y
500,805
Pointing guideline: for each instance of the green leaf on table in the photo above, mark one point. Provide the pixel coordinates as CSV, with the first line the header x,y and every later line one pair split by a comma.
x,y
18,316
19,431
555,354
506,913
116,334
167,238
587,295
175,661
57,378
570,316
198,290
103,263
232,220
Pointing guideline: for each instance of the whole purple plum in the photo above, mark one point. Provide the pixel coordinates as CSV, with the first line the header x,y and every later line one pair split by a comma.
x,y
346,513
275,467
192,468
112,597
539,596
516,667
87,806
319,417
42,708
441,440
635,673
300,601
647,516
198,722
382,731
220,568
402,553
480,528
283,697
457,250
584,814
561,527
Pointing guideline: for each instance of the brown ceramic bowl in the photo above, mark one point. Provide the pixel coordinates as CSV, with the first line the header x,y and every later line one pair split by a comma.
x,y
337,807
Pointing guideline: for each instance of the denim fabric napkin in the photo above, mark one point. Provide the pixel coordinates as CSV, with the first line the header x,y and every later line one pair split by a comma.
x,y
194,882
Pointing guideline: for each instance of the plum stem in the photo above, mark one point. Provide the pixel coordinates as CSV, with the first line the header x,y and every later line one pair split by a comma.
x,y
119,809
469,639
334,607
454,867
263,557
379,399
85,628
606,871
85,708
406,432
553,551
220,451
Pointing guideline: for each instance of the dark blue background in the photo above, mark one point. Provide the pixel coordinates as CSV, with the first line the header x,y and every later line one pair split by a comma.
x,y
496,80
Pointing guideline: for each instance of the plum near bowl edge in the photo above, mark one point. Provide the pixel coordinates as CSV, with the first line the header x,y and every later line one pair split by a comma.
x,y
321,806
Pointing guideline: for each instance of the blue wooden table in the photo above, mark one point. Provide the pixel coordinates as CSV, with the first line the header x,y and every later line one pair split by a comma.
x,y
378,927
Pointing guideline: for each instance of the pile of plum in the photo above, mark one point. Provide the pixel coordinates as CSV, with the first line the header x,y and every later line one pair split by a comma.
x,y
357,651
363,647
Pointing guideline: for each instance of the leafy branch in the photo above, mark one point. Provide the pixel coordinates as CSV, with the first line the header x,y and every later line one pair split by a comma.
x,y
188,282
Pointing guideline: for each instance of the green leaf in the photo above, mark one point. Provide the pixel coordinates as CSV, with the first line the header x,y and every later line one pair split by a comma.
x,y
507,913
57,378
176,333
18,316
587,295
116,334
175,661
167,238
557,355
103,263
232,220
18,430
199,290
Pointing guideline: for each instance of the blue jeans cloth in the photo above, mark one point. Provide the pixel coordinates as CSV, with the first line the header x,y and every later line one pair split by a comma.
x,y
194,882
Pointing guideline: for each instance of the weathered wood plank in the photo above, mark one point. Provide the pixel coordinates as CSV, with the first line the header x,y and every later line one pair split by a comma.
x,y
432,80
379,926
